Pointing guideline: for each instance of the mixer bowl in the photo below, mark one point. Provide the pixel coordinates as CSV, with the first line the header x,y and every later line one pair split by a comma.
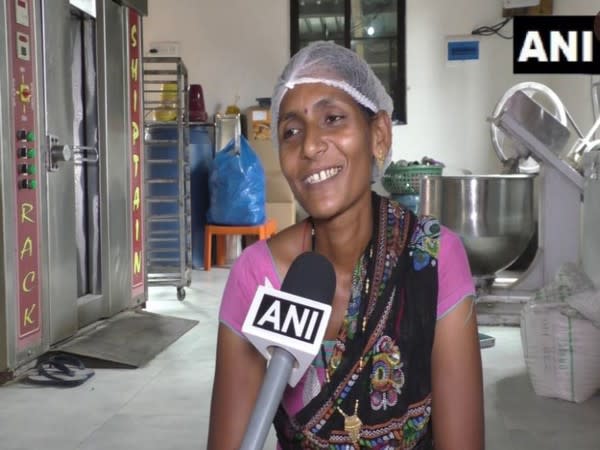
x,y
493,214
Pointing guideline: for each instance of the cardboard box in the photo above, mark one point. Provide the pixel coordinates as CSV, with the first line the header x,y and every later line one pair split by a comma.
x,y
278,189
284,213
280,203
259,123
267,154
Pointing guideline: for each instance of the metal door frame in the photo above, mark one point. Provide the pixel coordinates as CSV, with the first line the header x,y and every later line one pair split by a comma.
x,y
114,177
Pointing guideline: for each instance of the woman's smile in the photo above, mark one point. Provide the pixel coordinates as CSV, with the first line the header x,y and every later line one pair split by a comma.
x,y
321,175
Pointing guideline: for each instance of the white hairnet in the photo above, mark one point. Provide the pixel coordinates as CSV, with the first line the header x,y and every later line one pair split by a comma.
x,y
333,65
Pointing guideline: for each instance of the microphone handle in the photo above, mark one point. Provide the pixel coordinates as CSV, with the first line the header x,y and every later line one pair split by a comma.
x,y
269,397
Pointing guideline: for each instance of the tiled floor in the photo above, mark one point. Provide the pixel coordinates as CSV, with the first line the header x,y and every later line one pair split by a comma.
x,y
165,405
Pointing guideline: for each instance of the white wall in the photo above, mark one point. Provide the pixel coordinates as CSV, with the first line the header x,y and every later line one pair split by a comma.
x,y
448,104
240,46
230,47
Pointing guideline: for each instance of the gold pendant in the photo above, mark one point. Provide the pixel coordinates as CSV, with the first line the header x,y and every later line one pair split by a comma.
x,y
352,426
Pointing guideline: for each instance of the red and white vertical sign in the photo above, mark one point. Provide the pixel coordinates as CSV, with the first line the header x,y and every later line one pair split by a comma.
x,y
26,149
137,180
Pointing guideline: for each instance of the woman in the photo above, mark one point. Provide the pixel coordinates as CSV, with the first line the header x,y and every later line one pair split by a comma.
x,y
400,366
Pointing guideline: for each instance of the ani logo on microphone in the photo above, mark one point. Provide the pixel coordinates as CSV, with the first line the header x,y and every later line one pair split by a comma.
x,y
288,318
280,319
556,44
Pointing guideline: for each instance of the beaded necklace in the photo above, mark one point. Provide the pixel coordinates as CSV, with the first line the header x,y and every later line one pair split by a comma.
x,y
352,422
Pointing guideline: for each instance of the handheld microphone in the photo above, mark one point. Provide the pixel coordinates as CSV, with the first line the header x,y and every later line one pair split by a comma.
x,y
287,326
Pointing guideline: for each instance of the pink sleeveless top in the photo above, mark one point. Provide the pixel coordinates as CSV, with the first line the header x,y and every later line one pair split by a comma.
x,y
455,283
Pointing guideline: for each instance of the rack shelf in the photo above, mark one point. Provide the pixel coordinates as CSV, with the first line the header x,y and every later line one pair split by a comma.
x,y
167,173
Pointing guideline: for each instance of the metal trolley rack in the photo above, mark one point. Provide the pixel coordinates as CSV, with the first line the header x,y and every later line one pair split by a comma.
x,y
167,173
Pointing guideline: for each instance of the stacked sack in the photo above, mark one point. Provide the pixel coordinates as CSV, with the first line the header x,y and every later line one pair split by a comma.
x,y
560,333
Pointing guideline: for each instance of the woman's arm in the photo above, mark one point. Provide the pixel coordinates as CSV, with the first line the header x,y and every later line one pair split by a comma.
x,y
457,381
239,372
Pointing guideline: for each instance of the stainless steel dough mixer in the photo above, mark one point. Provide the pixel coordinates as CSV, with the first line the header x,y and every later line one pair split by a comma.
x,y
497,215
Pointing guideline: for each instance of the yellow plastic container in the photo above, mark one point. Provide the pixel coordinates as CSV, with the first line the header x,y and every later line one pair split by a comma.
x,y
167,112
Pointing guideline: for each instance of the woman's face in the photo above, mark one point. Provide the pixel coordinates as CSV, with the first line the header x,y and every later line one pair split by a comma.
x,y
326,146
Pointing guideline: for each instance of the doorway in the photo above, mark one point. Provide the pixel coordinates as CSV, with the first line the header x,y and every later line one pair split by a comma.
x,y
73,205
85,136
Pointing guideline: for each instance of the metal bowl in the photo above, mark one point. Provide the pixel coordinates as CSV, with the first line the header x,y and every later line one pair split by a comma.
x,y
493,214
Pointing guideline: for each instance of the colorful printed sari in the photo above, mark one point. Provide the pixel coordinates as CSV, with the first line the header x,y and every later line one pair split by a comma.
x,y
379,390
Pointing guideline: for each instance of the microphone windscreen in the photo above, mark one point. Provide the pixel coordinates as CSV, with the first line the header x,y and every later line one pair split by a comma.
x,y
312,276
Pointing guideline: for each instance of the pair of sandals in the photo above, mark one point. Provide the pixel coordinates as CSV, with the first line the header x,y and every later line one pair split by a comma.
x,y
60,370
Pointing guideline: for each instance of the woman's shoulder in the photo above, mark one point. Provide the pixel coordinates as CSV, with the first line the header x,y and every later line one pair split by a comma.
x,y
252,268
285,237
252,264
288,243
258,249
430,237
450,244
431,227
449,234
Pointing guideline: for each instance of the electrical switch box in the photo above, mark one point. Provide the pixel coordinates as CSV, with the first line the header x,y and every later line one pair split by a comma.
x,y
462,49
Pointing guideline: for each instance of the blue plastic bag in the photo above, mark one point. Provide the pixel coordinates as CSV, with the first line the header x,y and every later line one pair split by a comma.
x,y
237,186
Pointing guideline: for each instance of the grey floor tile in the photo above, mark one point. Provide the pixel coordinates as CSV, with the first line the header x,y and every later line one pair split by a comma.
x,y
149,432
496,435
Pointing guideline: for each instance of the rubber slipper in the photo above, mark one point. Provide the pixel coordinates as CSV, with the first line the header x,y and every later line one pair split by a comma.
x,y
60,370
